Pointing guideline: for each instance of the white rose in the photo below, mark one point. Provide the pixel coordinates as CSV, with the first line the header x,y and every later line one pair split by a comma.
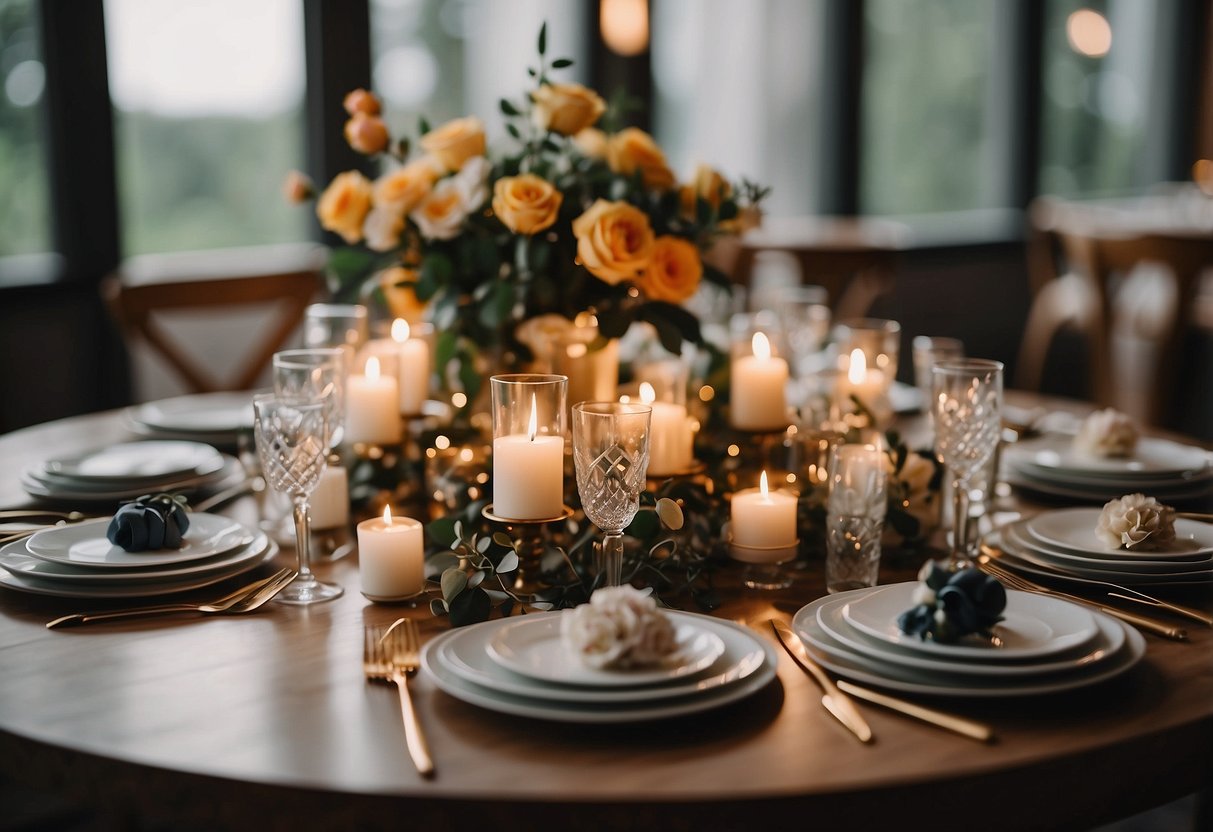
x,y
620,627
441,214
1107,433
472,182
1135,521
382,228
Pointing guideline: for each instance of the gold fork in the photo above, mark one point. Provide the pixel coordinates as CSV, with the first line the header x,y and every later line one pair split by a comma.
x,y
392,655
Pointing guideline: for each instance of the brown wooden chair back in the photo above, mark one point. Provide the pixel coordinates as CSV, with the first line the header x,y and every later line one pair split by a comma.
x,y
135,306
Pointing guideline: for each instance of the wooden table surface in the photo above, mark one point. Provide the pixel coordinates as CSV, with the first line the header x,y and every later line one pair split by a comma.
x,y
266,721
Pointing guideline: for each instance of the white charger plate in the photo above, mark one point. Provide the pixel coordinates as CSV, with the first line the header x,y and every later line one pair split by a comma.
x,y
138,461
36,586
1152,457
465,655
1094,494
908,680
84,544
1033,626
1028,555
1074,529
532,647
16,558
231,473
213,413
828,613
600,713
1017,534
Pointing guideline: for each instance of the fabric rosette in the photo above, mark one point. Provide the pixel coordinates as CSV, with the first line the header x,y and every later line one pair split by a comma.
x,y
620,627
1136,521
149,523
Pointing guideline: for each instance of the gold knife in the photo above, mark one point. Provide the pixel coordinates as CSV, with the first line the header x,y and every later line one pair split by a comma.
x,y
949,722
834,700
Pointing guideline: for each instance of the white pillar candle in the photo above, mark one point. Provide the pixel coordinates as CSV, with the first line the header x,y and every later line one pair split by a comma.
x,y
413,360
763,518
869,386
757,399
671,439
372,408
528,474
329,504
386,350
391,557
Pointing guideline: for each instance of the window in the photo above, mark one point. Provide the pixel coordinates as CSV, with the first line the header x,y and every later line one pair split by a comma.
x,y
925,94
24,199
208,121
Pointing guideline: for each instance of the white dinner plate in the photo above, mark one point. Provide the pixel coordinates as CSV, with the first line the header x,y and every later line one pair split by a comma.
x,y
212,413
1142,482
138,461
84,544
231,473
1152,457
1033,626
1094,494
828,612
1074,529
909,680
16,558
532,647
597,712
36,586
1123,561
1029,555
465,654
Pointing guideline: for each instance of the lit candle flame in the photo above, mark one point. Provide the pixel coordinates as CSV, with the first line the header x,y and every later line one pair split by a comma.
x,y
387,515
760,345
647,394
533,425
372,368
859,367
400,330
762,485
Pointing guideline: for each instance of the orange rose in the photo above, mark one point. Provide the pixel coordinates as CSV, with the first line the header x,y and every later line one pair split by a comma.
x,y
361,101
298,187
367,134
399,286
674,270
526,204
404,187
614,240
632,150
344,205
565,108
455,142
592,143
706,184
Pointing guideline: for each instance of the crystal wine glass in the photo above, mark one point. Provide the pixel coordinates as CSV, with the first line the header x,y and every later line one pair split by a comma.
x,y
611,455
968,422
318,374
292,441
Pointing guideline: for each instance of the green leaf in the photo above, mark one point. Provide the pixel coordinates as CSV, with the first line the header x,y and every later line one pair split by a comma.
x,y
470,607
508,563
436,272
543,38
442,530
437,607
423,126
507,108
513,131
435,565
483,544
444,348
496,308
613,322
477,578
469,379
348,269
714,275
561,63
503,540
454,581
644,525
670,513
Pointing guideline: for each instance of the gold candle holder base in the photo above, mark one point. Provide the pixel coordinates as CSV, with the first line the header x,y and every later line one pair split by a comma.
x,y
530,536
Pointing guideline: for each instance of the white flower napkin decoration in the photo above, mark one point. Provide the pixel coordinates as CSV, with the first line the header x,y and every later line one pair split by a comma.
x,y
1107,433
1136,521
620,627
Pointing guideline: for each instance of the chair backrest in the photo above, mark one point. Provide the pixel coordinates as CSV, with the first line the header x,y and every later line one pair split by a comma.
x,y
136,305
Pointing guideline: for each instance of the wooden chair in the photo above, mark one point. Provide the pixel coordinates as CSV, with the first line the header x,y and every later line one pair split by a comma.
x,y
854,258
135,305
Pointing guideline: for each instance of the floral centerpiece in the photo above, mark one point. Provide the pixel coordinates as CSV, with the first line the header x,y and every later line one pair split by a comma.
x,y
576,217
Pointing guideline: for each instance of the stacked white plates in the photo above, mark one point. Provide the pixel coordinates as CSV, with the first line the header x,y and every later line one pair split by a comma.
x,y
131,469
1051,465
77,561
1062,544
1044,645
520,666
214,418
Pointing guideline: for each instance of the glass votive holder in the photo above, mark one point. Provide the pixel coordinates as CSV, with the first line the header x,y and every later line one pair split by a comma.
x,y
391,558
927,350
758,380
816,449
762,532
663,387
341,325
528,445
855,513
879,340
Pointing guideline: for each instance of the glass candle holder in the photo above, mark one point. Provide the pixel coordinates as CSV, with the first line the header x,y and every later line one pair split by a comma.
x,y
663,387
528,445
928,350
868,354
343,326
855,513
758,379
590,363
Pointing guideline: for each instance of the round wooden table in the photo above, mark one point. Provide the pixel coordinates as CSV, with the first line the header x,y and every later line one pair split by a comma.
x,y
265,721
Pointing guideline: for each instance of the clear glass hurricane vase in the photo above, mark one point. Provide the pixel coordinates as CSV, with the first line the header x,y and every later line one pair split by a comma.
x,y
319,374
611,456
967,405
291,435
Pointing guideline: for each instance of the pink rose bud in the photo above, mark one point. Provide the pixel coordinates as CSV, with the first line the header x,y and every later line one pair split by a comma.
x,y
361,101
366,134
298,187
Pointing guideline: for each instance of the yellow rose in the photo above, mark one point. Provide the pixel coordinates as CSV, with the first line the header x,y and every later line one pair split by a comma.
x,y
707,184
344,205
404,187
399,286
592,143
455,142
614,240
526,204
674,270
367,134
566,108
632,150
